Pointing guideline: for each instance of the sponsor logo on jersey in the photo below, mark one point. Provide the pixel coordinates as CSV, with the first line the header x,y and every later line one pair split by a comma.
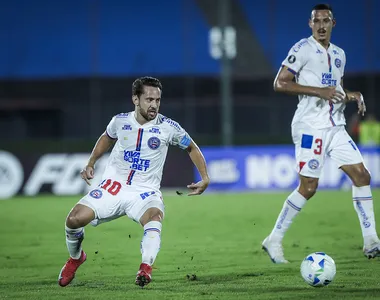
x,y
319,52
96,194
146,195
122,115
297,47
335,52
172,123
154,143
338,62
155,130
126,127
327,79
313,164
137,163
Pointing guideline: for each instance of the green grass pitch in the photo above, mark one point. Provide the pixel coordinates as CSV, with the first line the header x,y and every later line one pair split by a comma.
x,y
217,237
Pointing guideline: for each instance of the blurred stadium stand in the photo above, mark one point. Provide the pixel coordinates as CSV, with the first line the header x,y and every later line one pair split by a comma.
x,y
66,67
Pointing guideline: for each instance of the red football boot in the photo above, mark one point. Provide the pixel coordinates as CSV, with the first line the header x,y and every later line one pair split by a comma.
x,y
67,273
144,275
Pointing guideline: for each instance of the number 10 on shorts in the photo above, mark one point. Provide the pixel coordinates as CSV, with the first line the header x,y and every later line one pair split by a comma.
x,y
112,187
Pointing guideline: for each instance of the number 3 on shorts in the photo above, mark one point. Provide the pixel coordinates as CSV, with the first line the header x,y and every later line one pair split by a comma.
x,y
113,188
318,149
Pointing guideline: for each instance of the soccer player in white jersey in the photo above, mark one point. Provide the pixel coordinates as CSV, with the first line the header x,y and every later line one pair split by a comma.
x,y
131,181
314,70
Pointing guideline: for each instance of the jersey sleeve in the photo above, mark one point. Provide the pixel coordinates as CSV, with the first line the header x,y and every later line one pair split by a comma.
x,y
111,129
297,57
178,137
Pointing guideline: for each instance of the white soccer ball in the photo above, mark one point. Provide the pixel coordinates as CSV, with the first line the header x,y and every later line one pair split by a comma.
x,y
318,269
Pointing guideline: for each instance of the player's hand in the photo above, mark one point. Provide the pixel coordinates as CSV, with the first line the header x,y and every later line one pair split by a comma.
x,y
331,94
198,188
358,97
87,174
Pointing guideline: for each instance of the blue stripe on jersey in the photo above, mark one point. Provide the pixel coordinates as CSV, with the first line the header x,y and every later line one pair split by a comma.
x,y
139,139
329,61
290,70
130,177
331,110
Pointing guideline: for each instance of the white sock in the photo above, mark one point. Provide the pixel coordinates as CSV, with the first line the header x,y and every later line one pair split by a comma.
x,y
150,244
291,208
363,204
74,238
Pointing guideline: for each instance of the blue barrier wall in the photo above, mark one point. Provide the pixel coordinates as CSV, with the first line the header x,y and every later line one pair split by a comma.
x,y
76,38
273,168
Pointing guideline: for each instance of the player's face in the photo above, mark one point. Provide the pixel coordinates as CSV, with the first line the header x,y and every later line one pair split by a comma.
x,y
321,23
149,102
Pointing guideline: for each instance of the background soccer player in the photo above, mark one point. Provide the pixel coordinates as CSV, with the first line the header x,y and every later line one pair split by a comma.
x,y
314,70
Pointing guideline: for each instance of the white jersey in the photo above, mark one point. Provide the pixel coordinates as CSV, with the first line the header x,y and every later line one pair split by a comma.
x,y
139,155
315,66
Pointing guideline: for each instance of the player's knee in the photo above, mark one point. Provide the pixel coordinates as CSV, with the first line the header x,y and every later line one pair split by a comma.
x,y
74,222
152,214
308,187
79,216
155,215
361,177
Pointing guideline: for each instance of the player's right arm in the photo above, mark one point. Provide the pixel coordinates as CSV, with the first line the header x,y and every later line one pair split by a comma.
x,y
292,65
103,144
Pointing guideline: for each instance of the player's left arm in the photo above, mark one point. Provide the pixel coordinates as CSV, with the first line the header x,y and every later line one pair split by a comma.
x,y
355,97
199,161
179,137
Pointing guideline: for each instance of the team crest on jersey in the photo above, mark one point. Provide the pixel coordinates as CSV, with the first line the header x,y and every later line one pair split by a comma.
x,y
291,59
154,143
313,164
338,62
96,194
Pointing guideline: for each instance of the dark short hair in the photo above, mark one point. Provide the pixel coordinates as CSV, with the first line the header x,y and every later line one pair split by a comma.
x,y
323,7
139,83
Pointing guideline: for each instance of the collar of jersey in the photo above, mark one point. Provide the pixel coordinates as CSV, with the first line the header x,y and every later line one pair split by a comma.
x,y
154,121
312,39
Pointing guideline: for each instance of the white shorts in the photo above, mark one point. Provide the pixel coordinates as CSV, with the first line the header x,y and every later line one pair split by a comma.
x,y
114,200
313,145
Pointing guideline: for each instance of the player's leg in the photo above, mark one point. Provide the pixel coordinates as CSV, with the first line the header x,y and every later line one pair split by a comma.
x,y
363,204
348,157
310,159
150,243
291,208
293,205
148,210
77,219
98,206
